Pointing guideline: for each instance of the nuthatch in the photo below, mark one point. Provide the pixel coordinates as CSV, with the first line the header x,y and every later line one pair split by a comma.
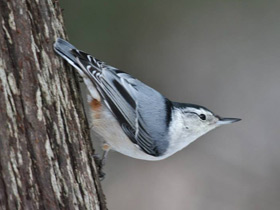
x,y
133,118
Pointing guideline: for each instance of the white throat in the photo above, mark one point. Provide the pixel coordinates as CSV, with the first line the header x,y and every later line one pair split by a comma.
x,y
180,136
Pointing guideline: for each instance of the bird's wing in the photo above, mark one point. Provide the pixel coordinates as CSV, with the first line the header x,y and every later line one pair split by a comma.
x,y
142,112
139,109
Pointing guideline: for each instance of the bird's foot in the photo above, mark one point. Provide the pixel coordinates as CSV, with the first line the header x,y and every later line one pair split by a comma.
x,y
100,164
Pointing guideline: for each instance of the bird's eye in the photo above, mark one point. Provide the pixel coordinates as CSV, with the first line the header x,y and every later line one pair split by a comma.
x,y
202,116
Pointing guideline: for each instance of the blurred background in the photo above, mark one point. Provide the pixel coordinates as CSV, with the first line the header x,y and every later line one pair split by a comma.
x,y
224,55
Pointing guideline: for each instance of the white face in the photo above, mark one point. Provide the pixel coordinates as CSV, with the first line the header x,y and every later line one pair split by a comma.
x,y
189,123
198,121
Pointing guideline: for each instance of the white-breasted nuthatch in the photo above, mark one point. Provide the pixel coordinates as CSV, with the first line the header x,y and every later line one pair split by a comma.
x,y
133,118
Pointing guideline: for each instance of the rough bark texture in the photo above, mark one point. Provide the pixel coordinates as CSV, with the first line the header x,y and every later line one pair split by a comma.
x,y
45,151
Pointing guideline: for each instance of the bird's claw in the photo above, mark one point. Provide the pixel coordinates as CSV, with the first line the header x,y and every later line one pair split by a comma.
x,y
99,163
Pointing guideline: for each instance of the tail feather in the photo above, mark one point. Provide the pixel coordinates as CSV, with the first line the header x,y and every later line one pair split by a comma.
x,y
64,49
71,54
80,60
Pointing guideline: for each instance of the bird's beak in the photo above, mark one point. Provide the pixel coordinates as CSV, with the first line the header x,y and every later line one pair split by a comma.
x,y
224,121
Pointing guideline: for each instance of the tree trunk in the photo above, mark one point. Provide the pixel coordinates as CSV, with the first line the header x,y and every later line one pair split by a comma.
x,y
45,149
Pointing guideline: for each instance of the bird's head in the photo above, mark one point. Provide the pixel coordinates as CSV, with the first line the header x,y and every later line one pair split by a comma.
x,y
195,120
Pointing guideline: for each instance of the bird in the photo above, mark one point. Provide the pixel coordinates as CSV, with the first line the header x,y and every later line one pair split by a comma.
x,y
133,118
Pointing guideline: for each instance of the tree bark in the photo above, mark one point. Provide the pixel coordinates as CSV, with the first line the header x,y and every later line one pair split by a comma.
x,y
45,149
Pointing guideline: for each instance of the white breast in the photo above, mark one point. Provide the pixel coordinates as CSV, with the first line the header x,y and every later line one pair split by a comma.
x,y
179,137
105,125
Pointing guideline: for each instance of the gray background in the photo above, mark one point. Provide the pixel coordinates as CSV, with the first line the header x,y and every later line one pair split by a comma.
x,y
224,55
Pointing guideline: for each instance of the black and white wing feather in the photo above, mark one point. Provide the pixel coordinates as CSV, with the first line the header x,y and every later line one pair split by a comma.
x,y
142,112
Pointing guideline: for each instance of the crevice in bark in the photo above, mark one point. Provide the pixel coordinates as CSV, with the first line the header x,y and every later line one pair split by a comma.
x,y
3,188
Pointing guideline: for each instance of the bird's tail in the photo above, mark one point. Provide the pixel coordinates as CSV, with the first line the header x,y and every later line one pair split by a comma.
x,y
65,50
77,58
83,62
